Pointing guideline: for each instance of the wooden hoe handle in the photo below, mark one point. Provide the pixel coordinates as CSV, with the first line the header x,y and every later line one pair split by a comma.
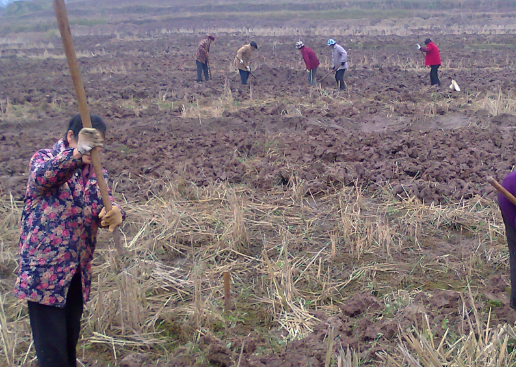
x,y
66,36
502,189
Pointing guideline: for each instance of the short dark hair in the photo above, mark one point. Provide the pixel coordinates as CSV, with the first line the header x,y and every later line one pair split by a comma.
x,y
427,41
75,124
253,44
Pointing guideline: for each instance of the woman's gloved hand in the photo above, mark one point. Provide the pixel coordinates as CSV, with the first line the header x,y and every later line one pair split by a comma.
x,y
111,219
89,138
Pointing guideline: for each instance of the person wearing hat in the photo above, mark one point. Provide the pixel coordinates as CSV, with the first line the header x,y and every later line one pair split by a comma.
x,y
340,62
201,58
243,60
432,59
311,61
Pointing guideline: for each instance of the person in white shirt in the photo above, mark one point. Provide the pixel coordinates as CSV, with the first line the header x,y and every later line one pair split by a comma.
x,y
340,62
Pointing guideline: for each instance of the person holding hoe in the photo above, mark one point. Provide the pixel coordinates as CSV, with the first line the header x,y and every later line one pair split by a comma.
x,y
340,62
508,210
201,58
62,211
432,59
311,61
243,60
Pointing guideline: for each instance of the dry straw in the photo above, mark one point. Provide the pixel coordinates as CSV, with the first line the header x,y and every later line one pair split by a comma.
x,y
289,255
483,345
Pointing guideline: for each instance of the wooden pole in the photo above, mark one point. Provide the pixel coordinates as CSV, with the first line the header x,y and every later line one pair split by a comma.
x,y
227,291
502,189
324,77
66,36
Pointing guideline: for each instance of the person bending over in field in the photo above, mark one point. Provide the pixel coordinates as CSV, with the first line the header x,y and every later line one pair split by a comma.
x,y
508,210
432,59
62,212
311,61
201,58
243,60
340,62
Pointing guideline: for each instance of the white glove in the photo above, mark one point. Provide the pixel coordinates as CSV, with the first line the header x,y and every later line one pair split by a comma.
x,y
418,46
248,68
241,61
89,138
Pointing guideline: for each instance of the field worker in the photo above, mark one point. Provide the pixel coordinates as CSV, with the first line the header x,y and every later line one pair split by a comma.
x,y
432,59
509,219
201,58
243,60
340,62
311,61
62,212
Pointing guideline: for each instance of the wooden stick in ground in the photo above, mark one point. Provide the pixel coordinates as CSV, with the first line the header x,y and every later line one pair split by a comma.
x,y
502,189
66,36
227,292
241,353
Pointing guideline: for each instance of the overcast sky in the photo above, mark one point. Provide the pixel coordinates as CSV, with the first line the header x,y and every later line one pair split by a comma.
x,y
5,2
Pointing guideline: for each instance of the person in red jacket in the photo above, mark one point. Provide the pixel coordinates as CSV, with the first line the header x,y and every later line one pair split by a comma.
x,y
432,59
311,61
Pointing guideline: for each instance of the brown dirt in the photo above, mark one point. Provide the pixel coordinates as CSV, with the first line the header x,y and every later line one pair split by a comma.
x,y
366,139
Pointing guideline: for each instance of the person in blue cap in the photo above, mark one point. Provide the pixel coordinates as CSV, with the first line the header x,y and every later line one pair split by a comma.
x,y
340,62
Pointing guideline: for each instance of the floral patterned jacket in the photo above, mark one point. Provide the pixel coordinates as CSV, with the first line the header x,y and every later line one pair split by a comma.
x,y
58,227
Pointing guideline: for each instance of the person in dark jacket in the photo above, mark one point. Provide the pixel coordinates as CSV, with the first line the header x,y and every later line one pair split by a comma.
x,y
201,58
432,59
62,212
311,61
508,210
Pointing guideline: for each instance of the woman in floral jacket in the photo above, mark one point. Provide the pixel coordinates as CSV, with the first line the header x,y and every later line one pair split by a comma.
x,y
63,210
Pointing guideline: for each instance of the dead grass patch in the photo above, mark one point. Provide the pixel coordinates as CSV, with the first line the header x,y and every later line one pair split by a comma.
x,y
288,255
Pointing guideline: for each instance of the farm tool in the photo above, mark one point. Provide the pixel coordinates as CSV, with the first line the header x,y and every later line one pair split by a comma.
x,y
66,36
324,77
311,72
250,73
502,190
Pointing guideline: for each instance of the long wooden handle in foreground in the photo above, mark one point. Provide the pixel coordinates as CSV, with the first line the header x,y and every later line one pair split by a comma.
x,y
502,189
66,36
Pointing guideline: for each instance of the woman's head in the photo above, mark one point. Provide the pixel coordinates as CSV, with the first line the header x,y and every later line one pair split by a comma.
x,y
75,126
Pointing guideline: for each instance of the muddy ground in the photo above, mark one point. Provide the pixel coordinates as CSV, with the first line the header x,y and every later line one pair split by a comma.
x,y
389,129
